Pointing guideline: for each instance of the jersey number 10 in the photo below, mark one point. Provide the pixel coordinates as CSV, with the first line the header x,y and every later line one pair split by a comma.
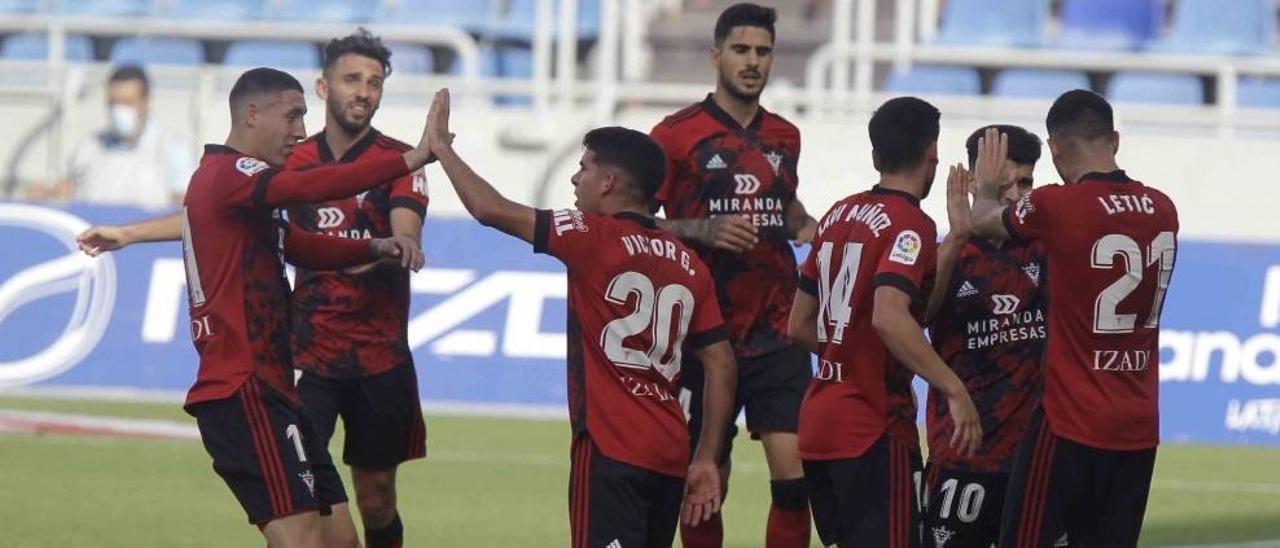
x,y
1162,250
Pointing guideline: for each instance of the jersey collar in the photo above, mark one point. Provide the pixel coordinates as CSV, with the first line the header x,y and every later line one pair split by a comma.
x,y
1117,176
637,218
724,118
326,154
904,195
221,149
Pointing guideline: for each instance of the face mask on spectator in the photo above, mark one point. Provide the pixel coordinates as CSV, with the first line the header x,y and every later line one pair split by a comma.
x,y
124,120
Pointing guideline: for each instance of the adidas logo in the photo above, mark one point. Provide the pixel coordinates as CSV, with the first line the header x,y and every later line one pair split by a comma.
x,y
716,163
966,290
614,544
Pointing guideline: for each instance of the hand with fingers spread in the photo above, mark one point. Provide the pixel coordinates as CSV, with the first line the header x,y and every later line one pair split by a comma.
x,y
399,247
730,232
437,133
959,185
701,493
992,167
966,439
101,239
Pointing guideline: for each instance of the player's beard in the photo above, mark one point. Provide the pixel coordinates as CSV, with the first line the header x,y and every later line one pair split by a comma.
x,y
741,94
352,127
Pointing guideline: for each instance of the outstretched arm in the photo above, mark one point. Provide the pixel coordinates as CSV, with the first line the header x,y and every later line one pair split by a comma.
x,y
958,183
988,214
482,201
101,239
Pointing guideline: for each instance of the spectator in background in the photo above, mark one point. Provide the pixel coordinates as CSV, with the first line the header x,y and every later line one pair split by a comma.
x,y
132,161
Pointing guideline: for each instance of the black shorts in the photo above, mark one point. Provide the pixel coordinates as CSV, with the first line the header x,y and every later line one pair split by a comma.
x,y
872,500
616,504
770,388
962,509
1061,491
265,449
382,415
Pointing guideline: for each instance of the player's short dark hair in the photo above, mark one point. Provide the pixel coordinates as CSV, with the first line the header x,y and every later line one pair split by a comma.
x,y
745,14
261,81
362,43
631,151
901,130
1080,114
130,73
1024,146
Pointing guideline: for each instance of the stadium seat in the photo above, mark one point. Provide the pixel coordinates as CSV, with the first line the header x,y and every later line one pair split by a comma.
x,y
1109,24
935,80
1153,87
35,47
472,16
276,54
115,8
503,62
1035,83
520,20
994,22
411,58
219,10
341,11
21,6
1217,27
1258,92
157,51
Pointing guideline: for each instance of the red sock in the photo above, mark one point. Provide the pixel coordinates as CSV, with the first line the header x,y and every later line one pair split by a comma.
x,y
709,534
787,528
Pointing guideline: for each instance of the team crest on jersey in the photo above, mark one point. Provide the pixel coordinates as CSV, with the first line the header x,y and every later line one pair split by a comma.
x,y
716,162
568,219
906,249
1032,270
941,536
775,159
250,166
1024,208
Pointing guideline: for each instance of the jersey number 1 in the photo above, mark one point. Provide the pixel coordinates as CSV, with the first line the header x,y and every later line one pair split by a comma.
x,y
834,295
655,312
1162,250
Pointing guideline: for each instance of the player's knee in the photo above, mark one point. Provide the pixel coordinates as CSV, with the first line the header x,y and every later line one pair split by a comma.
x,y
790,494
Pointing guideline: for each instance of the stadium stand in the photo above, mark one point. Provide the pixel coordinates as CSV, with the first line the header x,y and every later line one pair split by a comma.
x,y
117,8
994,22
340,11
411,58
1148,87
1238,27
35,47
935,80
273,53
1037,83
21,6
1109,24
213,10
471,16
1258,92
157,50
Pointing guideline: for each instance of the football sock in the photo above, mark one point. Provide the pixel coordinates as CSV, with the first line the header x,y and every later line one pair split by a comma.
x,y
391,536
709,534
788,515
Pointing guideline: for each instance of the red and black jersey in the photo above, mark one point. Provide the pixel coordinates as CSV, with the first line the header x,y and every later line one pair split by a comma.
x,y
867,240
717,167
638,298
991,331
1111,244
353,325
234,248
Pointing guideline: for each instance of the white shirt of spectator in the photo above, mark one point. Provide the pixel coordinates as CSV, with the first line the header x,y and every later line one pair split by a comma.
x,y
105,170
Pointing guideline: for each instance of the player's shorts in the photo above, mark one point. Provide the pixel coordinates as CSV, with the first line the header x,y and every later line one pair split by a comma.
x,y
613,504
871,500
962,509
770,388
1061,491
382,415
264,448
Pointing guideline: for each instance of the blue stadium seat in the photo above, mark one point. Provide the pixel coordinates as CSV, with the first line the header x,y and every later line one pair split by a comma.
x,y
1221,27
218,10
114,8
21,6
503,62
994,22
340,11
1154,87
935,80
520,20
276,54
1035,83
411,58
35,47
472,16
157,51
1258,92
1109,24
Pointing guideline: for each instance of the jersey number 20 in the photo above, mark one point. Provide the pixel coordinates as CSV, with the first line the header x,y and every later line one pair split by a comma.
x,y
655,311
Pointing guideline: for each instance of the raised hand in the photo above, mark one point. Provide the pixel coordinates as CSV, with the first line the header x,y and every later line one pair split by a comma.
x,y
701,493
101,239
967,436
959,186
992,167
402,248
437,133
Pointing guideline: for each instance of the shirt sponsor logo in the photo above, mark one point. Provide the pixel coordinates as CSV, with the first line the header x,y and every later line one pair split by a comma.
x,y
717,162
329,217
250,166
746,183
966,290
775,160
906,249
1024,208
1004,304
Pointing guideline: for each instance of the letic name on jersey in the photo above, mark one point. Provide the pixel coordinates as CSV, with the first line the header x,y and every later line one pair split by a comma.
x,y
1121,360
830,371
872,215
764,211
641,388
638,244
1126,203
353,234
1008,328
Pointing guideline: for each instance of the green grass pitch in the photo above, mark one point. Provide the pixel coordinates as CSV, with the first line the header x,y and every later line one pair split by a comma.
x,y
486,482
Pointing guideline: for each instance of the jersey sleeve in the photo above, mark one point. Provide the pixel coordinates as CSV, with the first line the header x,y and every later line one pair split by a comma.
x,y
566,234
909,257
410,192
259,185
320,252
1029,219
707,325
666,139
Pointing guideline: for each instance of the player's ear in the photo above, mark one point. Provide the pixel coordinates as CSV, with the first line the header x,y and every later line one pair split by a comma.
x,y
715,57
250,115
875,160
1115,142
322,88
